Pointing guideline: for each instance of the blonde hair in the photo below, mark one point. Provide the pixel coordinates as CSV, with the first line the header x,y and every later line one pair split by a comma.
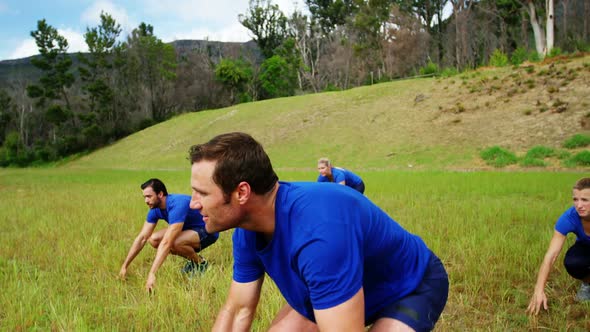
x,y
325,161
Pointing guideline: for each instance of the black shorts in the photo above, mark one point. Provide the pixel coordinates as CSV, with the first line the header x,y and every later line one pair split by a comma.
x,y
205,238
421,309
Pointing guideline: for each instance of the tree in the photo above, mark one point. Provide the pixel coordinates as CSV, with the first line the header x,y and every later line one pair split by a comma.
x,y
97,75
331,13
267,23
277,78
51,94
149,66
234,75
542,44
5,114
308,43
431,14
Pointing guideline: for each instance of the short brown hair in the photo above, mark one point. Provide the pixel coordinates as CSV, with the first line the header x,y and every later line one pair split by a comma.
x,y
583,183
239,158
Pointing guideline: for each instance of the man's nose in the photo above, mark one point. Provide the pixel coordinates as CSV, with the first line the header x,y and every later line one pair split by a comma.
x,y
195,203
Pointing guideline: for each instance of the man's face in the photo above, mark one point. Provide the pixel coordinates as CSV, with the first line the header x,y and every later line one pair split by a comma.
x,y
151,198
207,197
582,203
323,169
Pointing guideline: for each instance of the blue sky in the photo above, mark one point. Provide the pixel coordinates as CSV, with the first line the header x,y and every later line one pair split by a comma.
x,y
172,20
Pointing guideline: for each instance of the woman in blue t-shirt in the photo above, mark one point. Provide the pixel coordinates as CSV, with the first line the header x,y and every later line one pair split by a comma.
x,y
577,259
329,173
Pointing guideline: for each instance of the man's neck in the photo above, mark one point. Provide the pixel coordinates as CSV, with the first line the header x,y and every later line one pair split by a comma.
x,y
162,205
261,213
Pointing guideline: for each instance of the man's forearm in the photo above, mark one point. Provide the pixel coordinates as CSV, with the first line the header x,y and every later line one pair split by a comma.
x,y
161,254
136,247
231,320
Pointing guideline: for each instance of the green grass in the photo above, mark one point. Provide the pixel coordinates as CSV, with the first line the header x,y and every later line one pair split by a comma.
x,y
66,228
577,141
66,232
540,152
580,159
498,157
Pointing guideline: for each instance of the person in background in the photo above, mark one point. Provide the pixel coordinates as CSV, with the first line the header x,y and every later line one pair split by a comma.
x,y
338,269
185,236
575,220
329,173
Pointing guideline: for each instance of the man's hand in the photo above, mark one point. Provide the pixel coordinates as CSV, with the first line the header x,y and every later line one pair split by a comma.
x,y
123,273
150,283
539,299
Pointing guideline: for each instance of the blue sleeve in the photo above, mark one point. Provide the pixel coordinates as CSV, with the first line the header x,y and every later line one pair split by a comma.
x,y
247,265
338,175
322,178
152,216
567,222
177,211
339,275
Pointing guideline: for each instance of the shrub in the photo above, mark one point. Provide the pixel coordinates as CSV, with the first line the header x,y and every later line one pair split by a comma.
x,y
532,162
581,159
577,141
331,87
431,68
581,45
498,157
534,56
563,154
498,59
556,51
518,56
540,151
449,71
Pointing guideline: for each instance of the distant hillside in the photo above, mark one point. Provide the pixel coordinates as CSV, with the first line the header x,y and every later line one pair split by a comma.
x,y
426,123
23,69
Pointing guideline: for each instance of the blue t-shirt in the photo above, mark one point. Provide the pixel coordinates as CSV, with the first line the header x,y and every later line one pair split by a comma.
x,y
178,210
319,257
340,174
570,222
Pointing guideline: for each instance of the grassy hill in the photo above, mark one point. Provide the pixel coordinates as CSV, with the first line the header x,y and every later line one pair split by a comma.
x,y
425,123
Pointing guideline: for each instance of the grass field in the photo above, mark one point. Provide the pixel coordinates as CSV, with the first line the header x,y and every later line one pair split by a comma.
x,y
66,232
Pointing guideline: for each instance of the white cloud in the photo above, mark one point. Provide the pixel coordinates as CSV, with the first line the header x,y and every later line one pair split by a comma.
x,y
231,33
75,39
24,49
28,47
214,20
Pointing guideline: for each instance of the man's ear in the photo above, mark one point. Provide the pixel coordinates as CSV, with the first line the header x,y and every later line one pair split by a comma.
x,y
243,192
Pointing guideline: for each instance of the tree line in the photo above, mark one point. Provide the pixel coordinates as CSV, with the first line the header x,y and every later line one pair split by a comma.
x,y
85,101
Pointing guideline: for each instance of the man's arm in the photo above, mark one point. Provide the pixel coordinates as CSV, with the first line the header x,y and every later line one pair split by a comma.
x,y
238,311
539,298
347,316
138,243
164,248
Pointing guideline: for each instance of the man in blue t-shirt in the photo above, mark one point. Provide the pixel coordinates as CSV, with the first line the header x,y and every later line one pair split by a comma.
x,y
577,259
185,236
329,173
338,269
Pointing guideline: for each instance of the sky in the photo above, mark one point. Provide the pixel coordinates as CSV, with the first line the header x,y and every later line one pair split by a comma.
x,y
172,20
